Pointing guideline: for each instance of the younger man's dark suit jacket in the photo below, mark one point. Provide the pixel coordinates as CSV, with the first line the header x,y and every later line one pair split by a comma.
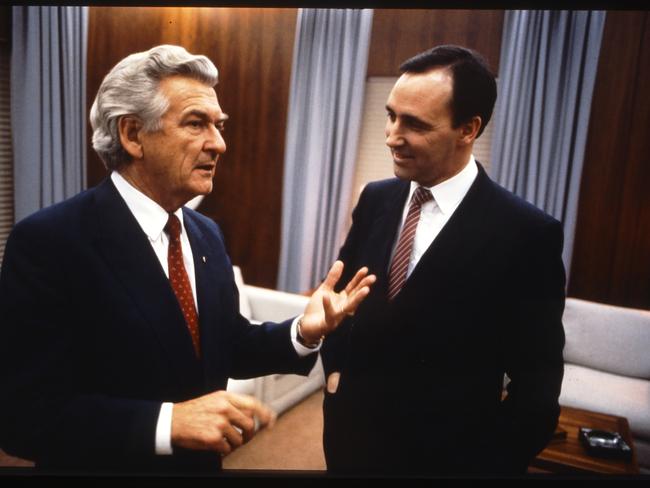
x,y
422,376
93,339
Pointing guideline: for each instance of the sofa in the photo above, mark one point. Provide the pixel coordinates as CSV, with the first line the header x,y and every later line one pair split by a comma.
x,y
279,391
607,366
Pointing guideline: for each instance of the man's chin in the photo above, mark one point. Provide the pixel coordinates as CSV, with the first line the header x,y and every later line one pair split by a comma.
x,y
202,187
401,173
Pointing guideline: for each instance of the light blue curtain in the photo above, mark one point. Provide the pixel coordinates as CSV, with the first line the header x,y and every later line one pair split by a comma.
x,y
546,78
325,107
48,104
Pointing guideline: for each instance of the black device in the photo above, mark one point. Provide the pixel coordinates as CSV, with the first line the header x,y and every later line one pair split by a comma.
x,y
604,443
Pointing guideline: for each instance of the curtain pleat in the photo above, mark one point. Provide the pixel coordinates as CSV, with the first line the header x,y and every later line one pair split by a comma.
x,y
48,105
546,78
324,118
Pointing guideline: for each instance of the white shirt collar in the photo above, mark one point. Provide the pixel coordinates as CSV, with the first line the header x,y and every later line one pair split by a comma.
x,y
449,193
151,216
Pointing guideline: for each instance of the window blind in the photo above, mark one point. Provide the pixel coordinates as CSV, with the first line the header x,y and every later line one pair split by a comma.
x,y
6,156
374,161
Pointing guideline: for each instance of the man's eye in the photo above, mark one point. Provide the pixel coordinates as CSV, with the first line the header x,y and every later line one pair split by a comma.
x,y
195,123
221,126
391,116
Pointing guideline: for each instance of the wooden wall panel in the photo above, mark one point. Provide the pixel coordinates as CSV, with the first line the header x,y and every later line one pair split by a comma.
x,y
5,23
398,34
611,259
252,48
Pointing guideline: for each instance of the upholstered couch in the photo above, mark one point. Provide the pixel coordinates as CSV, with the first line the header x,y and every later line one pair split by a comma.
x,y
607,366
279,391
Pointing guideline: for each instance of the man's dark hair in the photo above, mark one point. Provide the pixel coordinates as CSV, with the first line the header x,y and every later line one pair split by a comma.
x,y
474,88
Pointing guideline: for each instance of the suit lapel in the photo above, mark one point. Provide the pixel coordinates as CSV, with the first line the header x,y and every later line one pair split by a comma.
x,y
212,280
456,245
379,243
384,230
128,253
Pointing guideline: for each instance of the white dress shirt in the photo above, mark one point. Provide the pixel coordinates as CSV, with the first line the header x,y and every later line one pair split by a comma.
x,y
152,218
435,213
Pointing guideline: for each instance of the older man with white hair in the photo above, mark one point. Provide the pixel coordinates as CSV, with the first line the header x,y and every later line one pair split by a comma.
x,y
118,308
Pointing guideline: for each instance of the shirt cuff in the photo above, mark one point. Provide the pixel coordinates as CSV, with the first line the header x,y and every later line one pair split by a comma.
x,y
300,349
164,430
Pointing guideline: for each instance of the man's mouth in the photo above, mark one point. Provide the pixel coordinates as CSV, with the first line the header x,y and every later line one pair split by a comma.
x,y
400,157
206,166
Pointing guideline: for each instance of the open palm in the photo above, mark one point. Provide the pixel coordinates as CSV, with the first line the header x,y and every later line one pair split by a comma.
x,y
327,308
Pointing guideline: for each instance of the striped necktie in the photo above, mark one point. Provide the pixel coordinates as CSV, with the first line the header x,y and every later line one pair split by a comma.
x,y
399,265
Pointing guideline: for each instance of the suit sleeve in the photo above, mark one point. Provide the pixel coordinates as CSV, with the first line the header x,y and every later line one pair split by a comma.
x,y
256,350
265,349
47,410
534,360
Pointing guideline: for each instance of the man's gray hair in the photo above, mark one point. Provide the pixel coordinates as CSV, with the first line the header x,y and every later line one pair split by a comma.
x,y
131,88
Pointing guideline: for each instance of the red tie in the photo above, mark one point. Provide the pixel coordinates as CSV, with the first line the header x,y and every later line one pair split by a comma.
x,y
180,281
399,265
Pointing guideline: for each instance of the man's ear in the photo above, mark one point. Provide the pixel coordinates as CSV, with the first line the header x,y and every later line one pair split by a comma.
x,y
469,130
129,127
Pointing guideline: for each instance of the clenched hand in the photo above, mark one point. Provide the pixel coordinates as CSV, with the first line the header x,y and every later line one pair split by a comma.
x,y
211,422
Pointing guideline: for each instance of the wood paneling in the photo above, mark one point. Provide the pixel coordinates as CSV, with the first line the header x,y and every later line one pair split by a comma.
x,y
611,258
398,34
252,48
5,23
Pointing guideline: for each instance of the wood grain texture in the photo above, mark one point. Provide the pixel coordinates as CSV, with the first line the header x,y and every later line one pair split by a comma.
x,y
252,48
568,456
398,34
631,270
611,258
5,23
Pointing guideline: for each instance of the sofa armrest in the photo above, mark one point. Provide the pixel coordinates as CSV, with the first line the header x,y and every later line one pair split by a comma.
x,y
279,391
273,305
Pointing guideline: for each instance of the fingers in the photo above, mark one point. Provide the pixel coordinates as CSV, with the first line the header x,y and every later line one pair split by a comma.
x,y
244,422
223,447
253,408
355,299
332,316
220,421
354,282
335,305
333,382
365,283
335,310
246,414
333,275
232,436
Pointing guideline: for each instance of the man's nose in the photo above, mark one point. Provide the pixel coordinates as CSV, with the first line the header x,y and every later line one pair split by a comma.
x,y
394,136
215,142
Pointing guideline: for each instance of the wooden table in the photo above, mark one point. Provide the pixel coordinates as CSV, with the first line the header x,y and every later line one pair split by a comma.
x,y
568,456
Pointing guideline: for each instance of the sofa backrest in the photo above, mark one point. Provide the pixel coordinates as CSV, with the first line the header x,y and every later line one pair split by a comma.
x,y
607,338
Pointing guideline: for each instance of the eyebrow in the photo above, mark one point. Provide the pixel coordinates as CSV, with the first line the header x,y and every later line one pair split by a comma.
x,y
410,119
204,115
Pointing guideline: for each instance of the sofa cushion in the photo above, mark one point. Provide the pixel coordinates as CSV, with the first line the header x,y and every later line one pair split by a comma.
x,y
244,303
608,338
609,393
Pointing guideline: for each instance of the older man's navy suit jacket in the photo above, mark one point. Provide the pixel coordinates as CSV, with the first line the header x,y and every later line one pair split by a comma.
x,y
93,339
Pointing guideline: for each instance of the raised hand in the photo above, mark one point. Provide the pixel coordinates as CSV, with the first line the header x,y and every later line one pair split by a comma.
x,y
326,308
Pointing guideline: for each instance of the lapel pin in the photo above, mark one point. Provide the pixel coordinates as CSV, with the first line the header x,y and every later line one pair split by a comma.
x,y
203,259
